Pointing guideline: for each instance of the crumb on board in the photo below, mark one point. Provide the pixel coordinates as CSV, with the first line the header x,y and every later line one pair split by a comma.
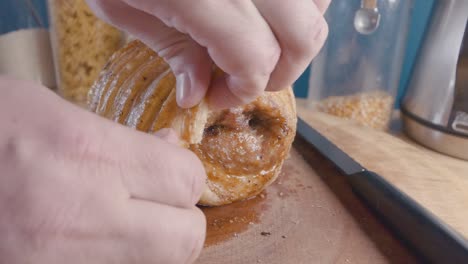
x,y
281,194
262,196
283,236
263,233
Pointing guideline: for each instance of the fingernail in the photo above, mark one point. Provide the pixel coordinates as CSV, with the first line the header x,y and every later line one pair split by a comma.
x,y
184,89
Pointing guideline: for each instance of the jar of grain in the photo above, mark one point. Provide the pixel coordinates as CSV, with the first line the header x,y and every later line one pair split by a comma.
x,y
356,74
82,44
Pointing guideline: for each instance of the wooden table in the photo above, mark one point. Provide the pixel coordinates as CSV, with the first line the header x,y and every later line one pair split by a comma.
x,y
437,182
310,215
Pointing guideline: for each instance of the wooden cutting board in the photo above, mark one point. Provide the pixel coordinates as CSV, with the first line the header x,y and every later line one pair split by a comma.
x,y
437,182
309,215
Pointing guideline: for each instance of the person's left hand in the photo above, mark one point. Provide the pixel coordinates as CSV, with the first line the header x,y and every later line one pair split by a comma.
x,y
77,188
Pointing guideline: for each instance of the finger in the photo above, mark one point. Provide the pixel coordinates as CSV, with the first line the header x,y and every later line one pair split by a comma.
x,y
240,42
159,171
147,167
322,5
188,60
301,31
165,234
168,135
228,91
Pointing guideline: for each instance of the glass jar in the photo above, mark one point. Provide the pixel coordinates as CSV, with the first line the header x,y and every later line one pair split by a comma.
x,y
82,44
356,75
25,51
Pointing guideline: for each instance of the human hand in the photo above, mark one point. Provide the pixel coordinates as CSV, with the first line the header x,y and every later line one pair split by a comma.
x,y
75,188
259,44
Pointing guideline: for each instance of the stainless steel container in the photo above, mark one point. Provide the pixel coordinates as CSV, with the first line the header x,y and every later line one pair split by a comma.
x,y
435,108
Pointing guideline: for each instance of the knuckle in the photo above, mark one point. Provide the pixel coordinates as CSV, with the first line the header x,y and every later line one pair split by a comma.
x,y
76,144
323,5
171,48
16,149
320,39
187,242
266,59
249,88
322,34
247,94
103,9
169,135
198,177
260,58
196,239
187,172
306,45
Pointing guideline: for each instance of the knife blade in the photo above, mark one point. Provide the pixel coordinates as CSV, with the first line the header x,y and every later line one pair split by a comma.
x,y
428,236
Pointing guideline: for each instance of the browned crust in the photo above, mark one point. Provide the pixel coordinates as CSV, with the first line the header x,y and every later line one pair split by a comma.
x,y
137,89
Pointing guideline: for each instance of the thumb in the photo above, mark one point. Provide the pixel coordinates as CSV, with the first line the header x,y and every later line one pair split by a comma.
x,y
189,61
168,135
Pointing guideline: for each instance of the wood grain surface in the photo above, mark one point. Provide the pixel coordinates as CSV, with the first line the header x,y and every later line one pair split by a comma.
x,y
436,181
309,215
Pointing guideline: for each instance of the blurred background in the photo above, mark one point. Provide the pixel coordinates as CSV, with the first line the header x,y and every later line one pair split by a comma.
x,y
420,15
383,61
13,18
37,18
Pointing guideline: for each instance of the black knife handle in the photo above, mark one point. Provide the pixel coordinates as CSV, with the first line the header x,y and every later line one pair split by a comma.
x,y
421,230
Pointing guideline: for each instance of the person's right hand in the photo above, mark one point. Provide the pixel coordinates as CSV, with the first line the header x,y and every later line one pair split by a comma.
x,y
75,188
259,44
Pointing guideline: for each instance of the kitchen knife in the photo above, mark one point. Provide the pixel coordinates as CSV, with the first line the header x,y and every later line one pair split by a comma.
x,y
433,240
